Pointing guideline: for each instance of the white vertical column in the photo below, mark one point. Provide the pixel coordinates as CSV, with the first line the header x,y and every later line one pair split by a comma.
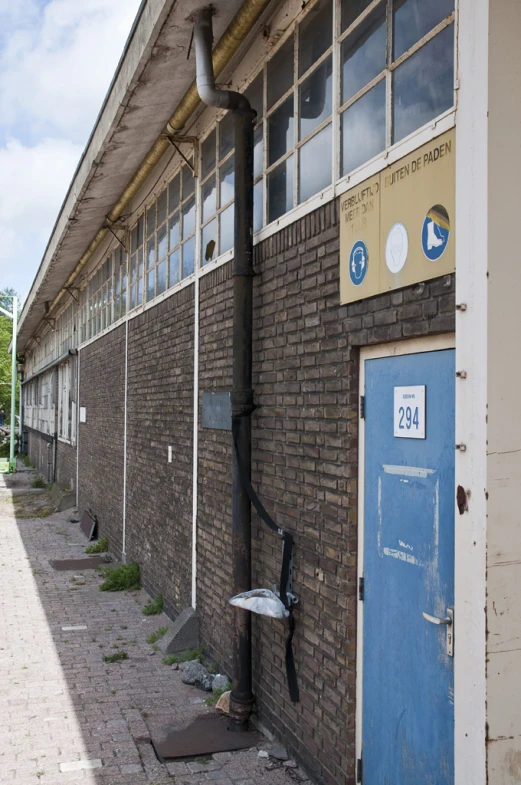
x,y
471,393
124,540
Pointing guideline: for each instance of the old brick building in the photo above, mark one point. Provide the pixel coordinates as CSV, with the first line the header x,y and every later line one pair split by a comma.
x,y
374,123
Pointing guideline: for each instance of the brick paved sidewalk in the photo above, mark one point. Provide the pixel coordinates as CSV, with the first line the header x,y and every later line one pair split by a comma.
x,y
63,709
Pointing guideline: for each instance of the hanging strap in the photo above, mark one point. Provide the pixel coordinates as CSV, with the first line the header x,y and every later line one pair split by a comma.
x,y
287,550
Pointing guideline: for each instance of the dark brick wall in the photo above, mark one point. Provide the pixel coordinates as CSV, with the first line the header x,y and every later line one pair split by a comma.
x,y
40,450
305,437
102,378
160,413
66,464
214,539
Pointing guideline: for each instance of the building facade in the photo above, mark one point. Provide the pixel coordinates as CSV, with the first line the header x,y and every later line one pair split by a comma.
x,y
385,176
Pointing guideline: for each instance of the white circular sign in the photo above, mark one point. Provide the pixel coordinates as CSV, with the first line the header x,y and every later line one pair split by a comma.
x,y
396,248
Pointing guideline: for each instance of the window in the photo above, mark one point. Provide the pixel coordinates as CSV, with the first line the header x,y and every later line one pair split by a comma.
x,y
217,190
397,72
67,400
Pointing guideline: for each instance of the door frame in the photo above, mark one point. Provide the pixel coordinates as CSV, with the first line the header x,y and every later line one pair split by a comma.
x,y
434,343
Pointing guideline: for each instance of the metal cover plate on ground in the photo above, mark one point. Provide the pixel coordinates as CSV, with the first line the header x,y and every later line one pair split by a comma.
x,y
77,564
205,735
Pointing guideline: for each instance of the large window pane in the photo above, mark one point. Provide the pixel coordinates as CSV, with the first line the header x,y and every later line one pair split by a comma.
x,y
316,94
161,207
258,198
424,85
226,181
414,18
208,155
189,217
351,10
189,257
363,129
173,230
226,135
363,53
209,198
280,72
161,242
255,95
209,242
258,149
315,164
151,284
151,253
173,194
173,269
161,277
280,131
315,34
188,181
227,223
280,190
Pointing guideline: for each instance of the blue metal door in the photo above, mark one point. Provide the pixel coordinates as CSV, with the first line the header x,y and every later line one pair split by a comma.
x,y
408,571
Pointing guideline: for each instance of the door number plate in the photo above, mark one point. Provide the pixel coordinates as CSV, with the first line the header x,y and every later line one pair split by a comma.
x,y
409,412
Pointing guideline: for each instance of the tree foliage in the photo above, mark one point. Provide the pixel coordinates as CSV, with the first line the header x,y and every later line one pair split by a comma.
x,y
6,334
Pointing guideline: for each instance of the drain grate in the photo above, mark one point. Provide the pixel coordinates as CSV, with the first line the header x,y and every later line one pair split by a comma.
x,y
205,735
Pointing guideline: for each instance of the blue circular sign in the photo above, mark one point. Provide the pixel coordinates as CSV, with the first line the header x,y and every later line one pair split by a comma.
x,y
435,232
358,262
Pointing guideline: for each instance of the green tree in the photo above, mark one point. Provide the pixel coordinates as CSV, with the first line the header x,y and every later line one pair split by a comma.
x,y
6,334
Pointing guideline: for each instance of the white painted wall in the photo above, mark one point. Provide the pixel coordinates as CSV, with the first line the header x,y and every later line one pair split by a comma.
x,y
504,394
471,393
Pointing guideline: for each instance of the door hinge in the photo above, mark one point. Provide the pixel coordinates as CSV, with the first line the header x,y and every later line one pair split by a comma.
x,y
362,407
360,588
359,770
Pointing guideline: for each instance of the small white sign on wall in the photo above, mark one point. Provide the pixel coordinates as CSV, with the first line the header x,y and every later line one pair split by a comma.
x,y
409,412
83,414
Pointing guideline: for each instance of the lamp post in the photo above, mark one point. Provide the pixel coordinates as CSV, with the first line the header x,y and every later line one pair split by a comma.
x,y
14,317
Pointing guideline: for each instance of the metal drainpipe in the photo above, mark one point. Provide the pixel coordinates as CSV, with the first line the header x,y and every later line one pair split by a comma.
x,y
242,393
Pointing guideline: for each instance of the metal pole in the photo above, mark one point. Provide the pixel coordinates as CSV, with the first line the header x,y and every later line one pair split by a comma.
x,y
12,460
241,702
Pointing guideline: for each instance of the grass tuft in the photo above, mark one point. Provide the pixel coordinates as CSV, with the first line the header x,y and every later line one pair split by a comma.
x,y
153,607
121,578
98,547
155,636
185,656
119,656
212,699
38,482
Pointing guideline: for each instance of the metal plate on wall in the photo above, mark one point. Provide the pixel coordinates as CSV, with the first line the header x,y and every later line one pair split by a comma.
x,y
217,411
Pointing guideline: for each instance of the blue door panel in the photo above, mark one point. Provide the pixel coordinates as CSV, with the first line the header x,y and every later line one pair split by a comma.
x,y
408,692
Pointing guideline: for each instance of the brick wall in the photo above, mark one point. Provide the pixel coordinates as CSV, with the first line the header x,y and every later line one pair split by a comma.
x,y
160,413
102,377
306,371
214,538
40,449
66,464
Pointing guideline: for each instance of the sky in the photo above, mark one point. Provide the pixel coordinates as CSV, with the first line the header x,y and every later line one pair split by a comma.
x,y
57,59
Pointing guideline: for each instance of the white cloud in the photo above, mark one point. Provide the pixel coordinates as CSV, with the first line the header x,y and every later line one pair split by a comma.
x,y
33,183
57,59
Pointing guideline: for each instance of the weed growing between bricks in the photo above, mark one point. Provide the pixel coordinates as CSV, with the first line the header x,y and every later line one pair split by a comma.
x,y
154,607
122,578
98,547
186,656
119,656
155,636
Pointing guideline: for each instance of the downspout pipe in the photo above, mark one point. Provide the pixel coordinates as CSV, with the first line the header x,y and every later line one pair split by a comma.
x,y
241,701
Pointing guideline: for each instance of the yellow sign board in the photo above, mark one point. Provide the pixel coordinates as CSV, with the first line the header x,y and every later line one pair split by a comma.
x,y
397,228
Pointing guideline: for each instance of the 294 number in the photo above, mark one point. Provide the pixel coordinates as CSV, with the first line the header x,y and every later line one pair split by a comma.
x,y
408,418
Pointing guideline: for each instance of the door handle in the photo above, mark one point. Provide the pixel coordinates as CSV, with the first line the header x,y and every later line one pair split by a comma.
x,y
448,621
435,620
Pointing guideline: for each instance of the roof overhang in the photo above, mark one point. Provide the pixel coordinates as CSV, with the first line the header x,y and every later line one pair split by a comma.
x,y
152,77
